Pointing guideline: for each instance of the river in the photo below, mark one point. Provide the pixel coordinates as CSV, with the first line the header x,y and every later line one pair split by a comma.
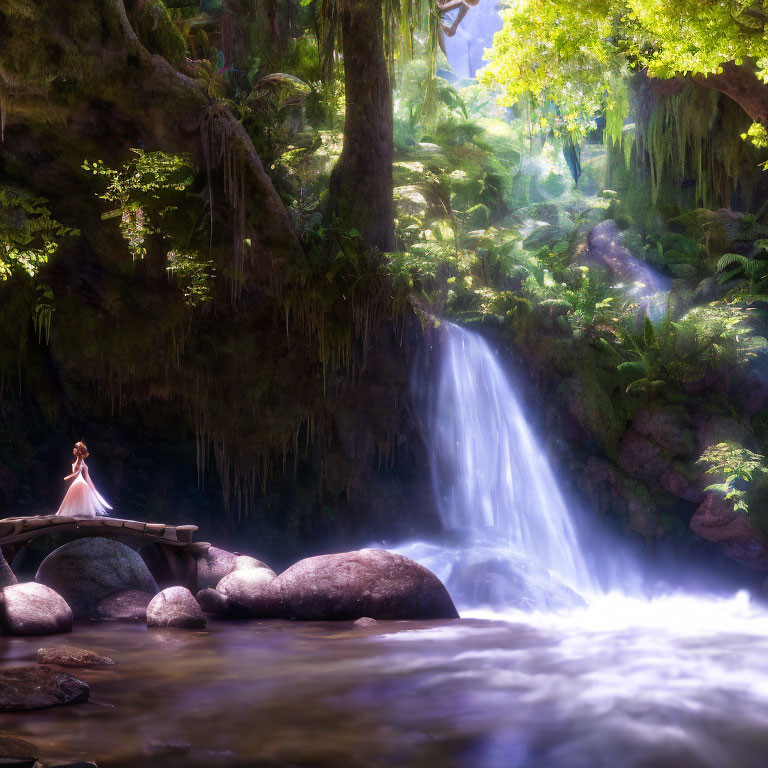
x,y
678,682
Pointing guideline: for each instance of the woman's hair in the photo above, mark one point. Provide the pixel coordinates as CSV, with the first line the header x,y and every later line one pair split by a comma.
x,y
80,451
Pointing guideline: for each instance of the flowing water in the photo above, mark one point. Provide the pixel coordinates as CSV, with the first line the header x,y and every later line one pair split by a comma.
x,y
679,681
491,479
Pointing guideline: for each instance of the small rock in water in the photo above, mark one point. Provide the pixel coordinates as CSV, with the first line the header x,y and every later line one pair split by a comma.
x,y
33,609
165,747
69,656
366,621
76,764
17,752
27,688
218,604
177,608
125,605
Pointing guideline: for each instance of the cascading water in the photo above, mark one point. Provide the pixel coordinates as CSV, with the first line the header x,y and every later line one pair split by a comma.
x,y
510,539
487,467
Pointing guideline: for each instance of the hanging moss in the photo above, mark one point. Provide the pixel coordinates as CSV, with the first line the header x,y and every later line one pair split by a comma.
x,y
689,145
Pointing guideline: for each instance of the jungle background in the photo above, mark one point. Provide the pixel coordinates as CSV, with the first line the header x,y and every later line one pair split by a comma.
x,y
230,230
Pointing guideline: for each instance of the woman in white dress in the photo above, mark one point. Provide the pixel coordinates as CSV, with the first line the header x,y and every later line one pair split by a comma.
x,y
82,499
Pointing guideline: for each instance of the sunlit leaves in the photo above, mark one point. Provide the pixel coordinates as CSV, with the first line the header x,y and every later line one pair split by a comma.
x,y
29,235
565,52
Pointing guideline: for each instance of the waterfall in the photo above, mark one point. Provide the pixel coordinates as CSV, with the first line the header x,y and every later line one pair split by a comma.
x,y
488,469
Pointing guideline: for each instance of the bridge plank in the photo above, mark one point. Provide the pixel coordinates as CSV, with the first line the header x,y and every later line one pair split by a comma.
x,y
155,528
20,530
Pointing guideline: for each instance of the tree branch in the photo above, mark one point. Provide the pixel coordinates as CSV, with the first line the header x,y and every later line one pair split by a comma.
x,y
740,83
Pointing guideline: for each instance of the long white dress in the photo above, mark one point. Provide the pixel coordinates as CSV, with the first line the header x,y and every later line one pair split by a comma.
x,y
82,499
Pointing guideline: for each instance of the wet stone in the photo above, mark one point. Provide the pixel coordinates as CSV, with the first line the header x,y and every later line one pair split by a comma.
x,y
16,752
69,656
176,608
124,605
28,688
165,747
218,604
77,764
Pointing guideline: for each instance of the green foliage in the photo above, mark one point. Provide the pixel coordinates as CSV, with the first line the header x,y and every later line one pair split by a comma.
x,y
569,51
156,210
739,469
29,235
671,353
751,271
146,192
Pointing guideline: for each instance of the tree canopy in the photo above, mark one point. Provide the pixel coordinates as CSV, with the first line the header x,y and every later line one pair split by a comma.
x,y
568,53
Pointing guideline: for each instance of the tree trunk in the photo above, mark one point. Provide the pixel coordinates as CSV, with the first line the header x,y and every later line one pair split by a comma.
x,y
361,182
740,83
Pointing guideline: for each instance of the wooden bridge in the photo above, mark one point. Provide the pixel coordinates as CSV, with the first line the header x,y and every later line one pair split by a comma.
x,y
172,560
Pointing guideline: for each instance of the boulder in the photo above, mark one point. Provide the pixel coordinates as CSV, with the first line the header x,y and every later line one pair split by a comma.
x,y
70,656
669,427
716,520
640,457
125,605
76,764
614,492
218,604
373,583
27,688
649,450
547,212
87,570
177,608
33,609
217,563
365,623
484,571
7,577
504,579
675,481
251,588
545,237
17,752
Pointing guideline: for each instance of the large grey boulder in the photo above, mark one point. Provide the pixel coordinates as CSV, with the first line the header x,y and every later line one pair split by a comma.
x,y
176,608
27,688
33,609
217,563
372,582
87,570
502,579
125,605
484,572
733,531
251,588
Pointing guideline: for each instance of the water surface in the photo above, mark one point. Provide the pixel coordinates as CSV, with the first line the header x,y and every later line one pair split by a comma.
x,y
675,683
